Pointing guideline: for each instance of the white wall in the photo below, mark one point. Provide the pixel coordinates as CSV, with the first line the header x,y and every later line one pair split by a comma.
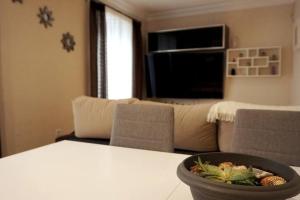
x,y
38,78
259,27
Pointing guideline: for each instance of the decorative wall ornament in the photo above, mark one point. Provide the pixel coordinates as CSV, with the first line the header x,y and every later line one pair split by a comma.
x,y
17,1
68,42
45,16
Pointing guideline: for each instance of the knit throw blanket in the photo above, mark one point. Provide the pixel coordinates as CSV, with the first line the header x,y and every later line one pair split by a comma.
x,y
225,111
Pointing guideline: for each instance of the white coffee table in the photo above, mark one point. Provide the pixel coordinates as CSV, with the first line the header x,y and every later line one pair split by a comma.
x,y
77,171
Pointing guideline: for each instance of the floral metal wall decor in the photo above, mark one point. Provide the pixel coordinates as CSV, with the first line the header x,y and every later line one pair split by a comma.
x,y
45,16
68,42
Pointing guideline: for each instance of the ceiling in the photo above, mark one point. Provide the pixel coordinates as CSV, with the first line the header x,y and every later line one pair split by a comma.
x,y
154,6
169,8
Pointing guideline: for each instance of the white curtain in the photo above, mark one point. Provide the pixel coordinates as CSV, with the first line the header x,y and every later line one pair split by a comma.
x,y
119,56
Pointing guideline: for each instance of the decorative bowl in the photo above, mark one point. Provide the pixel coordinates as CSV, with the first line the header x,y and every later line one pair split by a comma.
x,y
204,189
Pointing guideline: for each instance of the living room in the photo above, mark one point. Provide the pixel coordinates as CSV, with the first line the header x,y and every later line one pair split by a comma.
x,y
54,56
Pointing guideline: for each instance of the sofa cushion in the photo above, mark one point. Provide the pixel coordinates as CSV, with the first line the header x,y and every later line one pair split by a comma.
x,y
192,131
93,116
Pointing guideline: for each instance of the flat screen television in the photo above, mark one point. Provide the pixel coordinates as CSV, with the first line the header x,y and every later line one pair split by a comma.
x,y
185,74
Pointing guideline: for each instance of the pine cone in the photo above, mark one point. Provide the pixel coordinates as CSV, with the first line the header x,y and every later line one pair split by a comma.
x,y
272,181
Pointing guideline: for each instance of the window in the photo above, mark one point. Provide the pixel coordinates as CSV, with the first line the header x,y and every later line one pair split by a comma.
x,y
119,65
116,56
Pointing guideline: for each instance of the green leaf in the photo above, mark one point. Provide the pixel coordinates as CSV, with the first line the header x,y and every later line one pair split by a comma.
x,y
228,175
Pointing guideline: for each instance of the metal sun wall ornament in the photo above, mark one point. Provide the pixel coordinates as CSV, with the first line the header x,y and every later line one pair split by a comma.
x,y
17,1
68,42
45,16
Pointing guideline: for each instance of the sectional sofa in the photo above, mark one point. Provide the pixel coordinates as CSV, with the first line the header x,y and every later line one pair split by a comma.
x,y
93,122
201,127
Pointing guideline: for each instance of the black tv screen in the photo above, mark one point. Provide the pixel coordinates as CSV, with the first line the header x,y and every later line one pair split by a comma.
x,y
185,75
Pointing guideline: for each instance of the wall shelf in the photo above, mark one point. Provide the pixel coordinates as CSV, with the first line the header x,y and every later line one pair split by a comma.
x,y
204,38
254,62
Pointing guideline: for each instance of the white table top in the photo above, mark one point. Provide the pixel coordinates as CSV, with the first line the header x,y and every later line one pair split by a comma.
x,y
76,171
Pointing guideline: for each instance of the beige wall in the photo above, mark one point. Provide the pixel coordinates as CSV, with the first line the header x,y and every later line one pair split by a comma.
x,y
38,78
296,68
268,26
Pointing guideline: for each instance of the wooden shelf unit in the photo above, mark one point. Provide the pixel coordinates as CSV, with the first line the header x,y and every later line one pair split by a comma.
x,y
254,62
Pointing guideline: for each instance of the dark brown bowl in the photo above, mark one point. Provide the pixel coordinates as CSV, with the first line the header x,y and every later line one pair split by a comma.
x,y
204,189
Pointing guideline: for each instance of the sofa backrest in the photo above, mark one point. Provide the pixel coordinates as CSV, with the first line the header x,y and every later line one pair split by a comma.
x,y
93,116
93,119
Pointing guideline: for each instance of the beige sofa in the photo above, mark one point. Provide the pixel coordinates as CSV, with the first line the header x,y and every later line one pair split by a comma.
x,y
93,119
193,132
